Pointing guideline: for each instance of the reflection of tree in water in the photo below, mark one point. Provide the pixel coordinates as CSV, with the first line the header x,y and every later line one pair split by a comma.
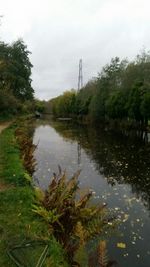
x,y
121,158
79,153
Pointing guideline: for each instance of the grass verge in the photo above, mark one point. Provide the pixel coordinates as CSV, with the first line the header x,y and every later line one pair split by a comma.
x,y
17,221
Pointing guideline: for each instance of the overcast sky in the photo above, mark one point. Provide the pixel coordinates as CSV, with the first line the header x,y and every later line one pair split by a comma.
x,y
60,32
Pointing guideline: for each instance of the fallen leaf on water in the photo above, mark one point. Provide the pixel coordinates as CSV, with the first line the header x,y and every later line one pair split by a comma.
x,y
121,245
126,216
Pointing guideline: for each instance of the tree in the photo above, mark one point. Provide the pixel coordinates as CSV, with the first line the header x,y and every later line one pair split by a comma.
x,y
134,102
145,104
84,97
15,70
5,74
8,103
64,105
121,91
116,106
21,69
109,82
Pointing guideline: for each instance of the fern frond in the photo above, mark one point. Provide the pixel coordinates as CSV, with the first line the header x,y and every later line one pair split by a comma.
x,y
69,216
84,200
80,233
102,254
39,194
50,216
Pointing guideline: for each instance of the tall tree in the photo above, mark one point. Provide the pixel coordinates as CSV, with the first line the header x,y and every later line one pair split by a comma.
x,y
21,69
15,70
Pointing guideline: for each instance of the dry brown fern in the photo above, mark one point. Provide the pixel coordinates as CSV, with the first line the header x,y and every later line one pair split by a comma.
x,y
102,254
27,149
72,219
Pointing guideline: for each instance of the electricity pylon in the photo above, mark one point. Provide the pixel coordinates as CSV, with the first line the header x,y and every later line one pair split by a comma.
x,y
80,77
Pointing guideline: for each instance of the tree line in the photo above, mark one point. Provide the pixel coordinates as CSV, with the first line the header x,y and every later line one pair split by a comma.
x,y
121,91
16,92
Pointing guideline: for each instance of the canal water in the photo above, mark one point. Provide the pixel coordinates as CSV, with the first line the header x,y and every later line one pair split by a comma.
x,y
116,166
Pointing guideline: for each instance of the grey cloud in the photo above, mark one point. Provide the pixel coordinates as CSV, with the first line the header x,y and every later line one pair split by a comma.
x,y
61,32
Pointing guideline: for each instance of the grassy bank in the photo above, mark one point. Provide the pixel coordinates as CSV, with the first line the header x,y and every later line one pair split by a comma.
x,y
17,221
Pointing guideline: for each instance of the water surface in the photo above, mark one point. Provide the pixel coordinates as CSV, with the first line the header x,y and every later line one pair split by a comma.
x,y
116,166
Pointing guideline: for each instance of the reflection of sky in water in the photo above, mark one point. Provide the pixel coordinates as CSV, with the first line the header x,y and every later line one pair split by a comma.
x,y
54,149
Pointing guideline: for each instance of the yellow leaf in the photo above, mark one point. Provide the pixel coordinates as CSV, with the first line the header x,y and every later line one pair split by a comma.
x,y
121,245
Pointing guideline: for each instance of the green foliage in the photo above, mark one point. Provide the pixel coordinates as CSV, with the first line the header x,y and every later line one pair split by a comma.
x,y
12,170
84,98
109,82
145,105
97,106
40,106
50,216
8,103
134,102
116,105
28,177
81,258
21,70
17,221
15,69
64,105
56,256
27,107
15,79
121,92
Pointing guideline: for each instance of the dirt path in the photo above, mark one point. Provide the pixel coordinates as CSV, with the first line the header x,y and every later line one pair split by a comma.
x,y
4,125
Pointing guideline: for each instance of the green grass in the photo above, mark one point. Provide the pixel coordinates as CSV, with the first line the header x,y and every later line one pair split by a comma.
x,y
17,221
11,170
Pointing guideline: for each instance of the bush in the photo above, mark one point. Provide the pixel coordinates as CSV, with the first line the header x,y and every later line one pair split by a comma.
x,y
8,103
